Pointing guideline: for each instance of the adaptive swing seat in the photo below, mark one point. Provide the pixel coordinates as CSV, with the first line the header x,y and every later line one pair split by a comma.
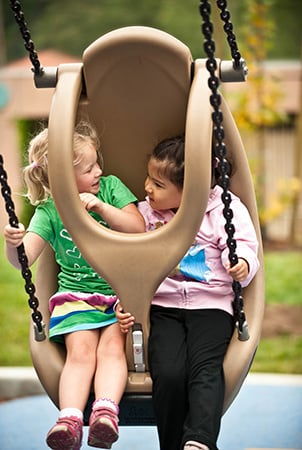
x,y
139,85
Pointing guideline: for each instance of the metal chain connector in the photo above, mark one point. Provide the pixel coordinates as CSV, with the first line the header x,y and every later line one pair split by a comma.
x,y
39,326
220,153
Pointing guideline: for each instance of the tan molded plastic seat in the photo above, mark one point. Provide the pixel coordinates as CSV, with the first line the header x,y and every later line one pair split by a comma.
x,y
136,85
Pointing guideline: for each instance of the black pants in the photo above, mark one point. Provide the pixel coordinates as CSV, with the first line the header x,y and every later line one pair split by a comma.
x,y
186,352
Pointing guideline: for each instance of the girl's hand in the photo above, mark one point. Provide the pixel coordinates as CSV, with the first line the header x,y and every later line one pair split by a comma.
x,y
127,219
126,320
89,201
14,236
33,244
240,271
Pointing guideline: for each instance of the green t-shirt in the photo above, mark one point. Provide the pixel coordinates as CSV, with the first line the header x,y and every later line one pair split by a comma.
x,y
75,273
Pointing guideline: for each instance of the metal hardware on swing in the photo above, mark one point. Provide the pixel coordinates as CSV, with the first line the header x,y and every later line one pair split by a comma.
x,y
138,348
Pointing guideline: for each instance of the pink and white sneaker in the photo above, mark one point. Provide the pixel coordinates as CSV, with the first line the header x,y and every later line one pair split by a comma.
x,y
103,428
66,434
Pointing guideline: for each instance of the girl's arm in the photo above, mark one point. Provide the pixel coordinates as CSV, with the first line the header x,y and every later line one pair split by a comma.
x,y
127,219
33,244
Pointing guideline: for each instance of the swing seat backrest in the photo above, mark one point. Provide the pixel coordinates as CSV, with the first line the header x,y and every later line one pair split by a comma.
x,y
137,86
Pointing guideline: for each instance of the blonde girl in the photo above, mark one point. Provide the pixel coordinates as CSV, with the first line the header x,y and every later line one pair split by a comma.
x,y
82,315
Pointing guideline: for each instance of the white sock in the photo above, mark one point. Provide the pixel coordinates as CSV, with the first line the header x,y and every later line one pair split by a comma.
x,y
67,412
106,403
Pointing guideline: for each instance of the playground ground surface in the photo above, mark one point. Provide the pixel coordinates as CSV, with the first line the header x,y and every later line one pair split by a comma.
x,y
266,415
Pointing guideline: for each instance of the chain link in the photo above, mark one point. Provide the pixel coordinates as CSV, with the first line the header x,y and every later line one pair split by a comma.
x,y
220,153
28,43
228,28
33,302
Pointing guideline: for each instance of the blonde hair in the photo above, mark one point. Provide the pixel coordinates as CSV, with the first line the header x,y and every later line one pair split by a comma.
x,y
36,173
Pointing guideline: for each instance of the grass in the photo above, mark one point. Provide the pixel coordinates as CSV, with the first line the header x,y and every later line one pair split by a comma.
x,y
281,354
283,277
283,286
15,317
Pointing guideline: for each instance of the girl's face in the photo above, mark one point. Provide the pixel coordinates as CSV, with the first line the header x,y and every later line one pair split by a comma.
x,y
163,194
88,171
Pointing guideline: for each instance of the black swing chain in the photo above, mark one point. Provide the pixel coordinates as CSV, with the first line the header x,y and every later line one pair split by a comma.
x,y
33,302
28,43
228,28
220,147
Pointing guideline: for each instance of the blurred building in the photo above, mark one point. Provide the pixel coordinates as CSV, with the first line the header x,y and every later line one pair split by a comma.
x,y
20,99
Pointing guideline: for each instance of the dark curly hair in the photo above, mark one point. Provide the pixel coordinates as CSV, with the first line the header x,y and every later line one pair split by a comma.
x,y
170,152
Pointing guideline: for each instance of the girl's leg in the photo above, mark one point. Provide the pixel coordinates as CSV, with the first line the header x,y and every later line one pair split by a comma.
x,y
75,384
109,384
111,369
167,359
79,368
208,336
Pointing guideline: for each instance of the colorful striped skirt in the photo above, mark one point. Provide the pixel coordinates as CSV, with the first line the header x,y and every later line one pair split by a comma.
x,y
75,311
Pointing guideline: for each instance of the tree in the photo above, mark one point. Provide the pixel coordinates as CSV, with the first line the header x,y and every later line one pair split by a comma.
x,y
72,28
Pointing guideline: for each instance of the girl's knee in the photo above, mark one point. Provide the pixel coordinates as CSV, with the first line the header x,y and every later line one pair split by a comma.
x,y
112,342
82,349
82,355
114,347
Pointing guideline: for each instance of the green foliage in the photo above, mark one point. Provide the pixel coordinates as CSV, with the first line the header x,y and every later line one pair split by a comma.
x,y
256,107
72,28
288,29
281,354
283,277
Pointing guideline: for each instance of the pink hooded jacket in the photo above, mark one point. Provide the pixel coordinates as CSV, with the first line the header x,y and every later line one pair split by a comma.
x,y
210,286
